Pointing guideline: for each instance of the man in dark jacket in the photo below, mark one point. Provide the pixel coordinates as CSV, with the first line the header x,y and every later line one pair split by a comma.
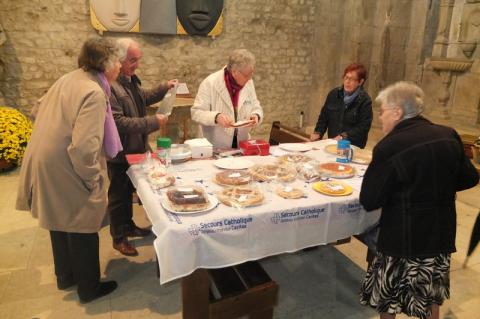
x,y
415,172
347,112
129,102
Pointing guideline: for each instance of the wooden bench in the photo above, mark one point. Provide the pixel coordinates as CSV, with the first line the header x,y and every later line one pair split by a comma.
x,y
284,134
233,292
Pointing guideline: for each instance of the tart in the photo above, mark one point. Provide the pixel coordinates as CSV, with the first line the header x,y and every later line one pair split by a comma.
x,y
270,172
293,159
289,192
187,198
240,196
233,177
336,170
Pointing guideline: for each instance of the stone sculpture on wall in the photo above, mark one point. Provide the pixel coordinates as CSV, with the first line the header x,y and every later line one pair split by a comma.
x,y
202,17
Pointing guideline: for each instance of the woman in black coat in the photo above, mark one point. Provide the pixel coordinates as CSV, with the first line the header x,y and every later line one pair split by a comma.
x,y
415,172
347,112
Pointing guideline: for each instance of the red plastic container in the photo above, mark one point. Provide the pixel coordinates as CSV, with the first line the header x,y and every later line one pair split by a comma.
x,y
255,147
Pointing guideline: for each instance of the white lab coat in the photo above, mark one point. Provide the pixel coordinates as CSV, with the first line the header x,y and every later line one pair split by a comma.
x,y
213,98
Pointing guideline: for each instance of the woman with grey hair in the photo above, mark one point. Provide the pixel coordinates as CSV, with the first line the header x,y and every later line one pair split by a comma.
x,y
415,172
63,175
227,97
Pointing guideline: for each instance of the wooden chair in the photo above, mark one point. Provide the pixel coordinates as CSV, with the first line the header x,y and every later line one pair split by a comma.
x,y
284,134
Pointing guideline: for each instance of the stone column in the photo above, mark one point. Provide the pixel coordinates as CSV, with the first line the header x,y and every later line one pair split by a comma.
x,y
441,41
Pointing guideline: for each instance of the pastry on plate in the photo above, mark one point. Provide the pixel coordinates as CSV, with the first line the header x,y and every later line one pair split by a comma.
x,y
269,172
293,158
289,192
336,170
240,196
333,188
233,177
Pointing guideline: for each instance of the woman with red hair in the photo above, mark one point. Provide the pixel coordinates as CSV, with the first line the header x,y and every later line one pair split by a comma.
x,y
347,112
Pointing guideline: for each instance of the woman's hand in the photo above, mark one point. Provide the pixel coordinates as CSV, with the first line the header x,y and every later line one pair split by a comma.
x,y
223,120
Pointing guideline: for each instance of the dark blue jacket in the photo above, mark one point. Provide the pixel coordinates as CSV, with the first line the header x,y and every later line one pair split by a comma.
x,y
353,119
414,175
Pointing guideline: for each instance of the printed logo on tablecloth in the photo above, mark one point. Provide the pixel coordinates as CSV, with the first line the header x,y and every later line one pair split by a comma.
x,y
303,214
220,226
350,208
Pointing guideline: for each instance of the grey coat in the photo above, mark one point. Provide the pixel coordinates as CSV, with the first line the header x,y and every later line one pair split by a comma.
x,y
131,118
63,174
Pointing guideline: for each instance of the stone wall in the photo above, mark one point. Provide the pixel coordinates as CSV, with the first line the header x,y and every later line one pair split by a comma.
x,y
44,37
389,37
302,47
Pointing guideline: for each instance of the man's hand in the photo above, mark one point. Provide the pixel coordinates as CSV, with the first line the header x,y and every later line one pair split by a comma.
x,y
223,120
314,136
172,83
162,119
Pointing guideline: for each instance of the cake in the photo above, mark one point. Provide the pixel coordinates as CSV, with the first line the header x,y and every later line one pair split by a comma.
x,y
187,198
289,192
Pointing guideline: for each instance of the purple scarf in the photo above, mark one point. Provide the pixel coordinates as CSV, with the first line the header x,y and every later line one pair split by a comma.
x,y
111,140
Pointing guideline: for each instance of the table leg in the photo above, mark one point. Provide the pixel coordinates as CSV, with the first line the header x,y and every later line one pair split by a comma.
x,y
195,295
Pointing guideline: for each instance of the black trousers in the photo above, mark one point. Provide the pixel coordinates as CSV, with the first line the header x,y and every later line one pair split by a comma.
x,y
119,206
75,256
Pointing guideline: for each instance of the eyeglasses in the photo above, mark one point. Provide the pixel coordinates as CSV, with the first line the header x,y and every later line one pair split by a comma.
x,y
248,75
347,78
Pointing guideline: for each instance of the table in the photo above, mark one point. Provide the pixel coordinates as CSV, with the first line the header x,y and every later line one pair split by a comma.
x,y
187,245
228,236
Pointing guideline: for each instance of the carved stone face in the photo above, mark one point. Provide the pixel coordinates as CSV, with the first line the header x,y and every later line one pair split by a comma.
x,y
116,15
199,17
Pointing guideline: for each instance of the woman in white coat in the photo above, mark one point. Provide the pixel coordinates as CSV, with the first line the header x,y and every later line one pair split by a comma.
x,y
225,97
63,175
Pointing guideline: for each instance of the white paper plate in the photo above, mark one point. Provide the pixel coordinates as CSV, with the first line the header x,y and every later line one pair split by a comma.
x,y
233,163
243,123
295,147
212,199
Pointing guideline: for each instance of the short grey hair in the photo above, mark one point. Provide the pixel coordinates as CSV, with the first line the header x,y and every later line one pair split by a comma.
x,y
406,95
123,44
240,58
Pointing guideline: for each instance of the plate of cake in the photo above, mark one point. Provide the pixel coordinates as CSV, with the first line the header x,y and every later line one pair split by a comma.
x,y
188,200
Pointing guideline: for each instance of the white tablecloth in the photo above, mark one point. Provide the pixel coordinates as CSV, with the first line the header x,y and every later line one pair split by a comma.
x,y
227,236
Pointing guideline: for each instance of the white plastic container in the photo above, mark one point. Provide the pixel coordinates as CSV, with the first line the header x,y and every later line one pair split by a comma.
x,y
200,147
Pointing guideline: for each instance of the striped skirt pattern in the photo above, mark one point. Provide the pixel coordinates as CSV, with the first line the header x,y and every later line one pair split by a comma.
x,y
409,285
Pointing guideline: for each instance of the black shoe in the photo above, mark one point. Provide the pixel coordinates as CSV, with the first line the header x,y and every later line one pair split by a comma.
x,y
103,289
65,282
136,231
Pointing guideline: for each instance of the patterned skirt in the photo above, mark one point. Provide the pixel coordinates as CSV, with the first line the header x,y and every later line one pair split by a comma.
x,y
409,285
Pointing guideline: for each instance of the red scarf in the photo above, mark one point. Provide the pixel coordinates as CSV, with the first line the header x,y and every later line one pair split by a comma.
x,y
232,87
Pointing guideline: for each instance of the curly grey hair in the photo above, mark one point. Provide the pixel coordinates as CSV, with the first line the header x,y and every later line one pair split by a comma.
x,y
405,95
98,54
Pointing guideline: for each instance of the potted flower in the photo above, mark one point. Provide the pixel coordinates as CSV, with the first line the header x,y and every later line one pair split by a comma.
x,y
15,131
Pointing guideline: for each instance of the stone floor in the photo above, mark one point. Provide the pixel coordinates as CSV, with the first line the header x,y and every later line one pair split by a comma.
x,y
319,283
